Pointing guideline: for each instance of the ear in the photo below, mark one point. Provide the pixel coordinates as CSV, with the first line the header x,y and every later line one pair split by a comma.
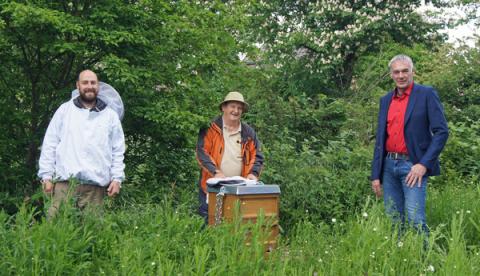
x,y
78,86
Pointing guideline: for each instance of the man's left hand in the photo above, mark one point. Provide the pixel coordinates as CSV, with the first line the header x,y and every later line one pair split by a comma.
x,y
252,177
415,175
113,188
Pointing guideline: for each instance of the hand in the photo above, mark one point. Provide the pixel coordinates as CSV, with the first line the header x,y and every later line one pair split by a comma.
x,y
219,174
415,175
377,187
252,177
113,188
47,186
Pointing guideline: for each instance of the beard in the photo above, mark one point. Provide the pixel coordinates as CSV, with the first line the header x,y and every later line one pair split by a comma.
x,y
88,96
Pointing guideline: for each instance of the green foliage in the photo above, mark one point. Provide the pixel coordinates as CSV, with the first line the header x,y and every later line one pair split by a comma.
x,y
462,149
457,77
318,43
372,72
46,45
163,58
318,186
313,86
161,239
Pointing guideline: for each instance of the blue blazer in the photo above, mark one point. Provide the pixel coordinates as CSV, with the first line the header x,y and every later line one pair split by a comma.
x,y
425,130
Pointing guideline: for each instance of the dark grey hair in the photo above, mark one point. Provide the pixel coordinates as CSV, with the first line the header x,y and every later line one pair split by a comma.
x,y
401,58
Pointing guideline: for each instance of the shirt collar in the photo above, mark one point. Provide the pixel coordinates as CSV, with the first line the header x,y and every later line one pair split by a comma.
x,y
99,104
226,131
405,94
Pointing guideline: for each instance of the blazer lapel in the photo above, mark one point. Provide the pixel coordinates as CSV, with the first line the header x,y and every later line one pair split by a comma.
x,y
411,103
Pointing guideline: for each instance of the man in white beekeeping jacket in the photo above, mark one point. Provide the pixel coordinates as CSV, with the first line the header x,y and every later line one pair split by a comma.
x,y
84,141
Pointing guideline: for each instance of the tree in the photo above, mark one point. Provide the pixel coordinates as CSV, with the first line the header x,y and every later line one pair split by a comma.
x,y
317,43
159,55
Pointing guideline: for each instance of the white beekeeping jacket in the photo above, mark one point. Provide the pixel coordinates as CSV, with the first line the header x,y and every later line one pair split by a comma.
x,y
86,144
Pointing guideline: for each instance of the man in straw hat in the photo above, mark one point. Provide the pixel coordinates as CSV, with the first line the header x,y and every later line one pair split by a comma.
x,y
228,147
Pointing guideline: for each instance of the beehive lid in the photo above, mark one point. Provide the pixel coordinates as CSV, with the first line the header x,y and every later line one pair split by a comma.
x,y
251,189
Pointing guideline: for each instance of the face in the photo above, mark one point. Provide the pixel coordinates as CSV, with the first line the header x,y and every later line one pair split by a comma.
x,y
402,74
232,111
87,86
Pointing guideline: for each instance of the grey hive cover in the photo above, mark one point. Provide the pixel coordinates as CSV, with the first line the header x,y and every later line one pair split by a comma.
x,y
110,96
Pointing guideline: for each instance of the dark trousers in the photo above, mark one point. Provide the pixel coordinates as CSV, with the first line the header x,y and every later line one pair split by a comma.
x,y
203,207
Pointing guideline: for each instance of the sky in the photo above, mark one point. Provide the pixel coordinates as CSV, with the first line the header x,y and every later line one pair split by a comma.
x,y
464,32
467,33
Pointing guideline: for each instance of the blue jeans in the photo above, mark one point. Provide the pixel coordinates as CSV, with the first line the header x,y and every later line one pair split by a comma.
x,y
401,200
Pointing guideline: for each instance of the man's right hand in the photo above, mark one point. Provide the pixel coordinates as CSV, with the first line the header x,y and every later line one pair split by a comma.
x,y
377,188
219,174
47,186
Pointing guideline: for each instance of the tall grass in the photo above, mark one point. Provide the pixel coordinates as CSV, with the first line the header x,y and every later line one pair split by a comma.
x,y
163,240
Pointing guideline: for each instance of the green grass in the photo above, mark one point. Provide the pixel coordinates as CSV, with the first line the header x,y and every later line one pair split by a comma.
x,y
163,240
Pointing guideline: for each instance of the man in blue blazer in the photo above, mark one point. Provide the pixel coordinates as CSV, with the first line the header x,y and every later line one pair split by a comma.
x,y
411,133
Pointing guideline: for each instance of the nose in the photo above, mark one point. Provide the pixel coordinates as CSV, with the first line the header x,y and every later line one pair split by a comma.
x,y
90,86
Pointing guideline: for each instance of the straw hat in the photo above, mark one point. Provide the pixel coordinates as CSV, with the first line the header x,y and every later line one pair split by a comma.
x,y
235,97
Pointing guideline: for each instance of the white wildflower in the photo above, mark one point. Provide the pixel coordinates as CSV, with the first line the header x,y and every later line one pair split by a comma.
x,y
431,268
400,244
334,220
364,214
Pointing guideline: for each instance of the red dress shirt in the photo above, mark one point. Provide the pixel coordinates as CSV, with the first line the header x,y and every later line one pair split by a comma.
x,y
395,122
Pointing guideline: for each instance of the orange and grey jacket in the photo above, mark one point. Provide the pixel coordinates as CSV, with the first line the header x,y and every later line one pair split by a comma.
x,y
210,147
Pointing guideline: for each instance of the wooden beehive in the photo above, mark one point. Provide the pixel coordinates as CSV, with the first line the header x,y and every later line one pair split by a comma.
x,y
253,201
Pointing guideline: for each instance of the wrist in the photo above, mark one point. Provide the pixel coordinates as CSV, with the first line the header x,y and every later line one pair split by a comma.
x,y
118,181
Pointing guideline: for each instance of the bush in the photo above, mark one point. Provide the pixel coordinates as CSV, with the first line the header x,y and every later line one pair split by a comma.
x,y
319,186
462,149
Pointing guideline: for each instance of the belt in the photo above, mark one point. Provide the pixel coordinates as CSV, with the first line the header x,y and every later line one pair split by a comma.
x,y
397,155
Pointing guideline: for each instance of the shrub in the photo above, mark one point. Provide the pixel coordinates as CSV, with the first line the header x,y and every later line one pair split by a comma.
x,y
318,186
